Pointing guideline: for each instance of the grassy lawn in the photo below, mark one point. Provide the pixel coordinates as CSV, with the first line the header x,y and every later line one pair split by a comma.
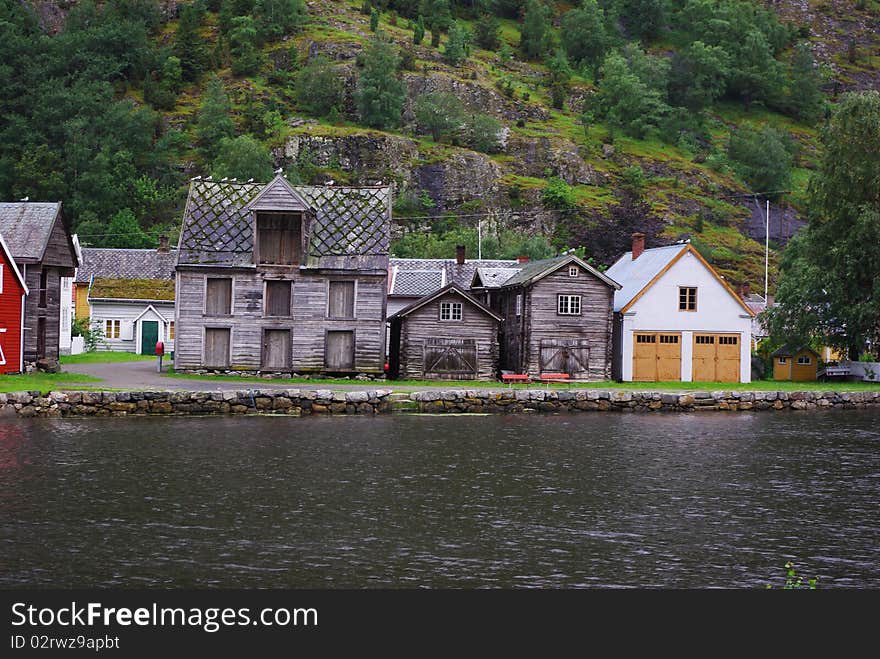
x,y
43,382
104,357
762,385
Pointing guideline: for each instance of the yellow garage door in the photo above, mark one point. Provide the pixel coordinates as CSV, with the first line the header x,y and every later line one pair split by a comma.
x,y
716,358
656,356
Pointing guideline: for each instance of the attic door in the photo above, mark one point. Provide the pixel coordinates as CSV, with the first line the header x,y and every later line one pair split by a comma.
x,y
570,356
279,238
454,359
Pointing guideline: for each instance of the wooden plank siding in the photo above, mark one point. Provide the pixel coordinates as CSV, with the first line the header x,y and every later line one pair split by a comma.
x,y
424,324
539,321
50,314
308,321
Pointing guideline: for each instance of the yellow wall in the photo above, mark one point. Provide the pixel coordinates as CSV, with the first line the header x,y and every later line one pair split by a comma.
x,y
782,371
791,370
82,301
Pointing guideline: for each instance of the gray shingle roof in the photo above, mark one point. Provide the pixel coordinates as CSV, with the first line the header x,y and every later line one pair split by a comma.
x,y
26,227
452,273
349,224
126,264
449,288
495,277
537,269
413,283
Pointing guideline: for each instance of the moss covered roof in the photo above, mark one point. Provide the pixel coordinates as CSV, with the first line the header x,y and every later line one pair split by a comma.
x,y
132,289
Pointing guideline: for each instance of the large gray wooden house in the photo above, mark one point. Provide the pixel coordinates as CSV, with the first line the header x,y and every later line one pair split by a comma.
x,y
447,335
43,251
277,278
557,315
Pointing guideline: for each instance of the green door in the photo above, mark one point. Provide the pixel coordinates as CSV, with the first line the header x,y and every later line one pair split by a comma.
x,y
149,336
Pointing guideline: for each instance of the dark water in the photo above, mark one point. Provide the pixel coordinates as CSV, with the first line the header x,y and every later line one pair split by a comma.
x,y
405,501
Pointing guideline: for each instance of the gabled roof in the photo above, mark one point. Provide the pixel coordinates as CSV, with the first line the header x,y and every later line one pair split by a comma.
x,y
791,350
351,225
447,271
492,277
114,263
636,276
149,308
12,265
104,288
536,270
451,288
27,227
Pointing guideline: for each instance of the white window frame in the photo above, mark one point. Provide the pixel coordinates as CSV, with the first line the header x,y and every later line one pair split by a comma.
x,y
2,354
518,304
573,271
801,362
450,310
782,360
1,280
565,305
109,324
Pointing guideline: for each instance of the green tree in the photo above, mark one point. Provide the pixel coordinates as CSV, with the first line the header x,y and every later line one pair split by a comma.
x,y
161,89
583,35
215,119
535,34
698,76
189,46
805,97
559,195
644,19
626,101
246,57
558,79
829,285
484,133
242,157
757,75
277,18
374,20
762,158
380,94
438,18
319,87
458,46
486,32
419,30
125,231
440,114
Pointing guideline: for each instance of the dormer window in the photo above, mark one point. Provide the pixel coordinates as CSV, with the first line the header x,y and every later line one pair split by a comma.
x,y
573,271
279,237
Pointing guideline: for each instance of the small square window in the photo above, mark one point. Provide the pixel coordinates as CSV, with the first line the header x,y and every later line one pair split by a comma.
x,y
573,271
568,305
112,329
687,298
804,360
450,311
783,360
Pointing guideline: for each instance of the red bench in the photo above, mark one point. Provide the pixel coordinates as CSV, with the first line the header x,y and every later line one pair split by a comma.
x,y
510,378
553,377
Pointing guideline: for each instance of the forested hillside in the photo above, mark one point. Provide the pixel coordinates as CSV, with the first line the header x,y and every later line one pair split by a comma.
x,y
553,125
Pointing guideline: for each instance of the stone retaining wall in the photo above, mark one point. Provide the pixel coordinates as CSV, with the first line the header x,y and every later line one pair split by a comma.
x,y
632,401
294,402
297,402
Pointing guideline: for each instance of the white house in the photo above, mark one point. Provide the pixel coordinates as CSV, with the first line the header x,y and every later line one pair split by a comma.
x,y
677,319
66,305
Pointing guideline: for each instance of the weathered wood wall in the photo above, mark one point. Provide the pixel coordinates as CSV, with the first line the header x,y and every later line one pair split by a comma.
x,y
308,323
33,312
424,324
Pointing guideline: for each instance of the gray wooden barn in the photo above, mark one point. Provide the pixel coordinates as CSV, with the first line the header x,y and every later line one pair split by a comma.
x,y
43,250
447,335
277,278
557,316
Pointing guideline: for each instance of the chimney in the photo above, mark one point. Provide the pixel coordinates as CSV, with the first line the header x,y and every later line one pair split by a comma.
x,y
638,245
163,244
459,254
745,290
522,258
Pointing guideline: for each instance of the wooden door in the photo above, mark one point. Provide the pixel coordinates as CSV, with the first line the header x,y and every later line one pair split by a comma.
x,y
276,349
41,338
454,359
644,357
570,356
728,358
149,337
339,352
704,358
668,357
217,347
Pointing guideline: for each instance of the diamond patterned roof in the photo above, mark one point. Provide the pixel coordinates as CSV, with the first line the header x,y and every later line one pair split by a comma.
x,y
416,283
349,224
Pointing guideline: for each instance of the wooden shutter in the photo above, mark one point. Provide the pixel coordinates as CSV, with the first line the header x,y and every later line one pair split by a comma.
x,y
218,296
339,351
217,347
341,299
276,349
279,238
277,298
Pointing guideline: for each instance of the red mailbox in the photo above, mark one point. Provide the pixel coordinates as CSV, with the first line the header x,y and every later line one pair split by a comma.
x,y
160,348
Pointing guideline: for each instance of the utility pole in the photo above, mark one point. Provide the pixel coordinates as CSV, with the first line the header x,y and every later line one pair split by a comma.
x,y
766,250
480,238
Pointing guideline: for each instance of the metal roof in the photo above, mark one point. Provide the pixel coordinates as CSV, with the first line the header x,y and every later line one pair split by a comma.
x,y
495,277
535,270
452,273
450,288
634,275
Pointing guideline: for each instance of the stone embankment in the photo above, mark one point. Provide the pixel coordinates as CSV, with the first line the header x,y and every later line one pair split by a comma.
x,y
298,402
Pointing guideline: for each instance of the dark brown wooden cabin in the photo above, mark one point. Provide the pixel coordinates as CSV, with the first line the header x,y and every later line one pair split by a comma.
x,y
557,318
277,278
447,335
44,252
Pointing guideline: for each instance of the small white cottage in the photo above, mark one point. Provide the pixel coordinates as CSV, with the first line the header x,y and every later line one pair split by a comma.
x,y
677,319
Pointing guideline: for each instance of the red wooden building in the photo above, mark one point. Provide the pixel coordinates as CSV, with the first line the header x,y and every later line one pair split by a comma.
x,y
12,295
